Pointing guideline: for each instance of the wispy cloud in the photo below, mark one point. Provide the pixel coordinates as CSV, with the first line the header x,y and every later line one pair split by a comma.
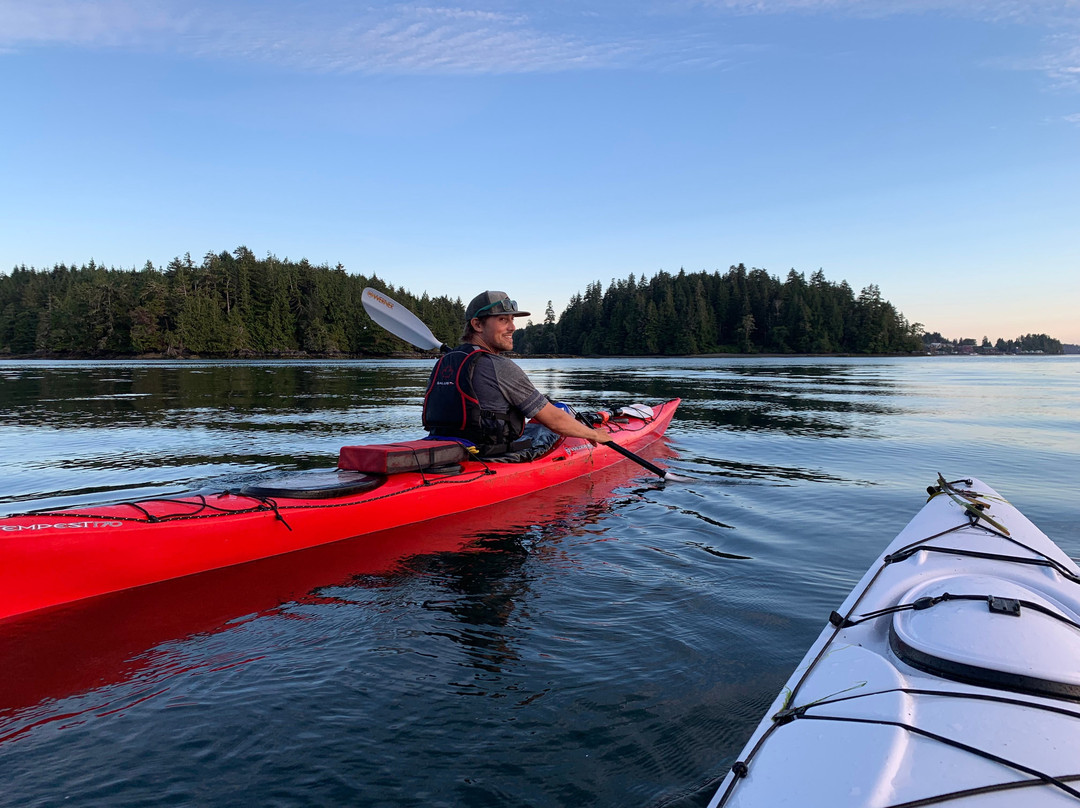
x,y
1062,61
1060,57
484,36
1037,11
312,36
113,23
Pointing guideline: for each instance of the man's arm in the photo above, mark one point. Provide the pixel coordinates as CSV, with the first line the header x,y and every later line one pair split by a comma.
x,y
520,392
562,422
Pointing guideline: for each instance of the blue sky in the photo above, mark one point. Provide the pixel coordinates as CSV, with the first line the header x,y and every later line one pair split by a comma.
x,y
929,146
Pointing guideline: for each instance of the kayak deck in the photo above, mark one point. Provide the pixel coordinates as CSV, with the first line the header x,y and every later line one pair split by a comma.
x,y
54,557
949,676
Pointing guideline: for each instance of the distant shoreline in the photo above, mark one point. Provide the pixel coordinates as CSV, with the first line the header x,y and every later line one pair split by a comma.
x,y
303,357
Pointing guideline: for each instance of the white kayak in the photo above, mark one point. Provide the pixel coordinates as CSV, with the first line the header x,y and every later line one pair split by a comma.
x,y
950,676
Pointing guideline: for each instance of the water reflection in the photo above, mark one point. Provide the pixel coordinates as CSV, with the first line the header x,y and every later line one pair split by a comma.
x,y
731,470
69,430
70,395
822,399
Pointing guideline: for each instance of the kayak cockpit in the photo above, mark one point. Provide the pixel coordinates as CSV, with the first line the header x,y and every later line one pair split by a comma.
x,y
320,484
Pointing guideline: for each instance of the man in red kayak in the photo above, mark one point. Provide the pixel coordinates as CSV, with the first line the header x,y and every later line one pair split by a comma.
x,y
479,395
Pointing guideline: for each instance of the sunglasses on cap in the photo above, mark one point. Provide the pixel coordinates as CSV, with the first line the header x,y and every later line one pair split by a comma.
x,y
506,303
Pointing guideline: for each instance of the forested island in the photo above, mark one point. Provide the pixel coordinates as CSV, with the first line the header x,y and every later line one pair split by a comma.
x,y
739,311
230,305
236,305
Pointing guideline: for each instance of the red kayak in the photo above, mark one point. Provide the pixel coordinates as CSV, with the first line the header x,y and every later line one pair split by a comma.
x,y
48,558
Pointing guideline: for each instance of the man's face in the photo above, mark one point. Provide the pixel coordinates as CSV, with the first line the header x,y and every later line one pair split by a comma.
x,y
496,332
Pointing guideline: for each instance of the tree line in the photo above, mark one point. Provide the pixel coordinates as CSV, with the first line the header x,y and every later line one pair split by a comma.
x,y
237,305
229,305
738,311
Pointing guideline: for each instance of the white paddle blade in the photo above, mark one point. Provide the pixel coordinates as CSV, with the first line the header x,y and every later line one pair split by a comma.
x,y
398,320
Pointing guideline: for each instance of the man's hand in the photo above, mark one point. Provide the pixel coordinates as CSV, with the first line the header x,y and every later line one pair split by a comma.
x,y
599,436
562,422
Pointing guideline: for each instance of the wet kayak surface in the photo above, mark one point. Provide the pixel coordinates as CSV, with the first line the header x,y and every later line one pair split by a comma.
x,y
611,642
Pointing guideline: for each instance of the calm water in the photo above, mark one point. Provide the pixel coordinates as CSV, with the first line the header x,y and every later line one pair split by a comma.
x,y
613,643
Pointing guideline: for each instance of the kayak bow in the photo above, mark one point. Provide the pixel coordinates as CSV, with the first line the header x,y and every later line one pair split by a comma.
x,y
949,676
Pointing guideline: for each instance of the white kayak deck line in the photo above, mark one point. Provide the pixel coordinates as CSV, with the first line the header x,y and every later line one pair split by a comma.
x,y
949,676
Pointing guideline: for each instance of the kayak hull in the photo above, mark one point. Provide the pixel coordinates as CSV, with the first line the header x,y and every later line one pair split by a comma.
x,y
56,557
950,675
74,648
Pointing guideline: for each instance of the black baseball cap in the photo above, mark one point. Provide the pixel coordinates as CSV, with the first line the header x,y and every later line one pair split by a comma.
x,y
486,304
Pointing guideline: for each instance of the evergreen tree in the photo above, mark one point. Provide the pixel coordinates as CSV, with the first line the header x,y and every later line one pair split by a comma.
x,y
549,342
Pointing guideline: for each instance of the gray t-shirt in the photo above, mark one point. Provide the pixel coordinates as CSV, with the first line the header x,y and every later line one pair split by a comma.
x,y
500,384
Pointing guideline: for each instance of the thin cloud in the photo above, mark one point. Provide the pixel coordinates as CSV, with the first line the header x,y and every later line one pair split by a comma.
x,y
1059,61
503,36
1062,63
93,24
1031,11
397,38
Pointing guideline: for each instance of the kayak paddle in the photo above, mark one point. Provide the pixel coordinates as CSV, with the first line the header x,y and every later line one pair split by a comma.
x,y
641,461
402,323
399,321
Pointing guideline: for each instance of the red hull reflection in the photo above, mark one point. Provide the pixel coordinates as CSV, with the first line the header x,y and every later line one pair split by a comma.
x,y
73,649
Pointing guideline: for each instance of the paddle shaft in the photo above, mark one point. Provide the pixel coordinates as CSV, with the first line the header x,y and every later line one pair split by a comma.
x,y
641,461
